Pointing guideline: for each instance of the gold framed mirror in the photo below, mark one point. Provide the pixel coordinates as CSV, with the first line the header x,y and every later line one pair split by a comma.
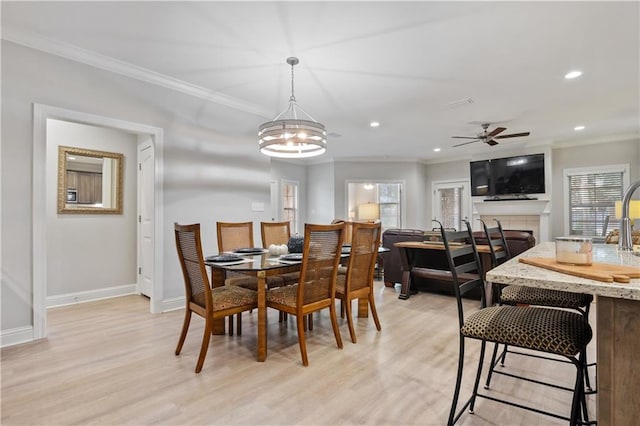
x,y
89,181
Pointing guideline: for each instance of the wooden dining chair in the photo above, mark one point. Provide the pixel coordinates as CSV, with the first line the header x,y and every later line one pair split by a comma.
x,y
548,331
278,233
348,229
358,281
516,295
275,233
317,285
201,299
232,236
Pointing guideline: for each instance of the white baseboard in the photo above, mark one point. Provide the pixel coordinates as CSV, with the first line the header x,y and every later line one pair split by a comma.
x,y
16,336
173,304
90,295
24,334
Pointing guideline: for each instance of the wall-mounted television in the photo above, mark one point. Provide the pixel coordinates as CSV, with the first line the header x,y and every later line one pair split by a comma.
x,y
508,176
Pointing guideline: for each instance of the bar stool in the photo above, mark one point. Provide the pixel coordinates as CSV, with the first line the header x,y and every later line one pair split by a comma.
x,y
551,331
520,295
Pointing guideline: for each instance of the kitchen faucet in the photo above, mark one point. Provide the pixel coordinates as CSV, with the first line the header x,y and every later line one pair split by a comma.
x,y
625,243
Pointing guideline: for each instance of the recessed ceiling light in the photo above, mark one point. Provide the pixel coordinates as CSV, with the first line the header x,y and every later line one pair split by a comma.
x,y
577,128
374,124
436,149
572,74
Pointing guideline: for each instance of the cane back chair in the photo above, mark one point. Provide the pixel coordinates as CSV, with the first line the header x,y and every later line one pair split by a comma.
x,y
275,233
232,236
317,285
278,233
358,281
201,299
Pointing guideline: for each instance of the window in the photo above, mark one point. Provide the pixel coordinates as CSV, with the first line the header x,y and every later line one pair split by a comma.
x,y
290,204
388,198
451,203
592,194
376,201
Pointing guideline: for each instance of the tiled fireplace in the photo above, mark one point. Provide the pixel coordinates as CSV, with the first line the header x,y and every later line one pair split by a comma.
x,y
527,215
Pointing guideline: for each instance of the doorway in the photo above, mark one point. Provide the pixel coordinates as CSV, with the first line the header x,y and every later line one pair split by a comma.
x,y
148,134
451,203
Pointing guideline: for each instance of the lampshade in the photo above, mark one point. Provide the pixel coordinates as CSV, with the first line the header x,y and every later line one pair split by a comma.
x,y
289,136
369,211
634,209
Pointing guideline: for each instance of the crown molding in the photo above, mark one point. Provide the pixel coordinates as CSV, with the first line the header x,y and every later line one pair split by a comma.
x,y
622,137
107,63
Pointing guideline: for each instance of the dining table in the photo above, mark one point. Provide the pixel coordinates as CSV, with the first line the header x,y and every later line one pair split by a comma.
x,y
262,264
617,322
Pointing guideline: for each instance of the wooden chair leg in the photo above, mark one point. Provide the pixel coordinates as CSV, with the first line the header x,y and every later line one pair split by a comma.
x,y
341,308
238,323
208,328
352,330
300,319
185,328
334,323
230,325
374,311
310,321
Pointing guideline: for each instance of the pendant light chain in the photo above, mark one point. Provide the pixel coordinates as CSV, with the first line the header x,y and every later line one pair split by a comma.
x,y
293,97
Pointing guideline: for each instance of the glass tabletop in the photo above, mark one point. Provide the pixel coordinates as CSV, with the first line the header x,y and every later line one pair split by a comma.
x,y
258,262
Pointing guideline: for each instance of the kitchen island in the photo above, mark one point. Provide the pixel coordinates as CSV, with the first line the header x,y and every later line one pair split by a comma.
x,y
617,324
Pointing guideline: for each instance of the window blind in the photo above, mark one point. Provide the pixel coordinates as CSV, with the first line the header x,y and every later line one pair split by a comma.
x,y
592,198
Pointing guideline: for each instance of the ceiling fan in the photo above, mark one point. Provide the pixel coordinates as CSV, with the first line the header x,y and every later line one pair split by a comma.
x,y
489,137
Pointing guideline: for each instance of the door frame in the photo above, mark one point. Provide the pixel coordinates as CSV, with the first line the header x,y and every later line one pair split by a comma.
x,y
284,182
41,113
143,143
453,183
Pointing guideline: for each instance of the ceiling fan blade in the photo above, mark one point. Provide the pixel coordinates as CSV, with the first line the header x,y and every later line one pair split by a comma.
x,y
464,137
491,142
513,135
496,131
466,143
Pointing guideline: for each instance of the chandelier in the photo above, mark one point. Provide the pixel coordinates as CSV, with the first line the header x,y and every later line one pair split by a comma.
x,y
287,136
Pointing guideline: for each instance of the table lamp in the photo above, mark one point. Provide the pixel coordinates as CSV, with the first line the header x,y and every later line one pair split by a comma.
x,y
369,211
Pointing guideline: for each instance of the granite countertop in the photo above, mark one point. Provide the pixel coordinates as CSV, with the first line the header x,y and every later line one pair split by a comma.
x,y
516,273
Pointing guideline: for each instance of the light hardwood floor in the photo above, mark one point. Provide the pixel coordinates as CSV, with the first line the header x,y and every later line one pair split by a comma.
x,y
112,363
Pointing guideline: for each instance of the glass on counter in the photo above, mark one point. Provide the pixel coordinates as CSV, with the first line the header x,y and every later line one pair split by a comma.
x,y
574,250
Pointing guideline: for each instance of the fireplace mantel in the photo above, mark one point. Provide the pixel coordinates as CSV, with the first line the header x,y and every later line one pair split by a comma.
x,y
539,208
511,207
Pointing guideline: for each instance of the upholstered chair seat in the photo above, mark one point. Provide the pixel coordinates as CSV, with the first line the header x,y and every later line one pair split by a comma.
x,y
512,295
548,330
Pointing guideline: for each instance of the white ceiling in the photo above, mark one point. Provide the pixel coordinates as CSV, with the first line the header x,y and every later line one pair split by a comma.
x,y
401,64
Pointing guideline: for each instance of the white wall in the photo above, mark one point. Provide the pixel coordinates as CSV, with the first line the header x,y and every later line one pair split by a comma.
x,y
409,173
285,170
623,152
90,251
320,194
208,175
